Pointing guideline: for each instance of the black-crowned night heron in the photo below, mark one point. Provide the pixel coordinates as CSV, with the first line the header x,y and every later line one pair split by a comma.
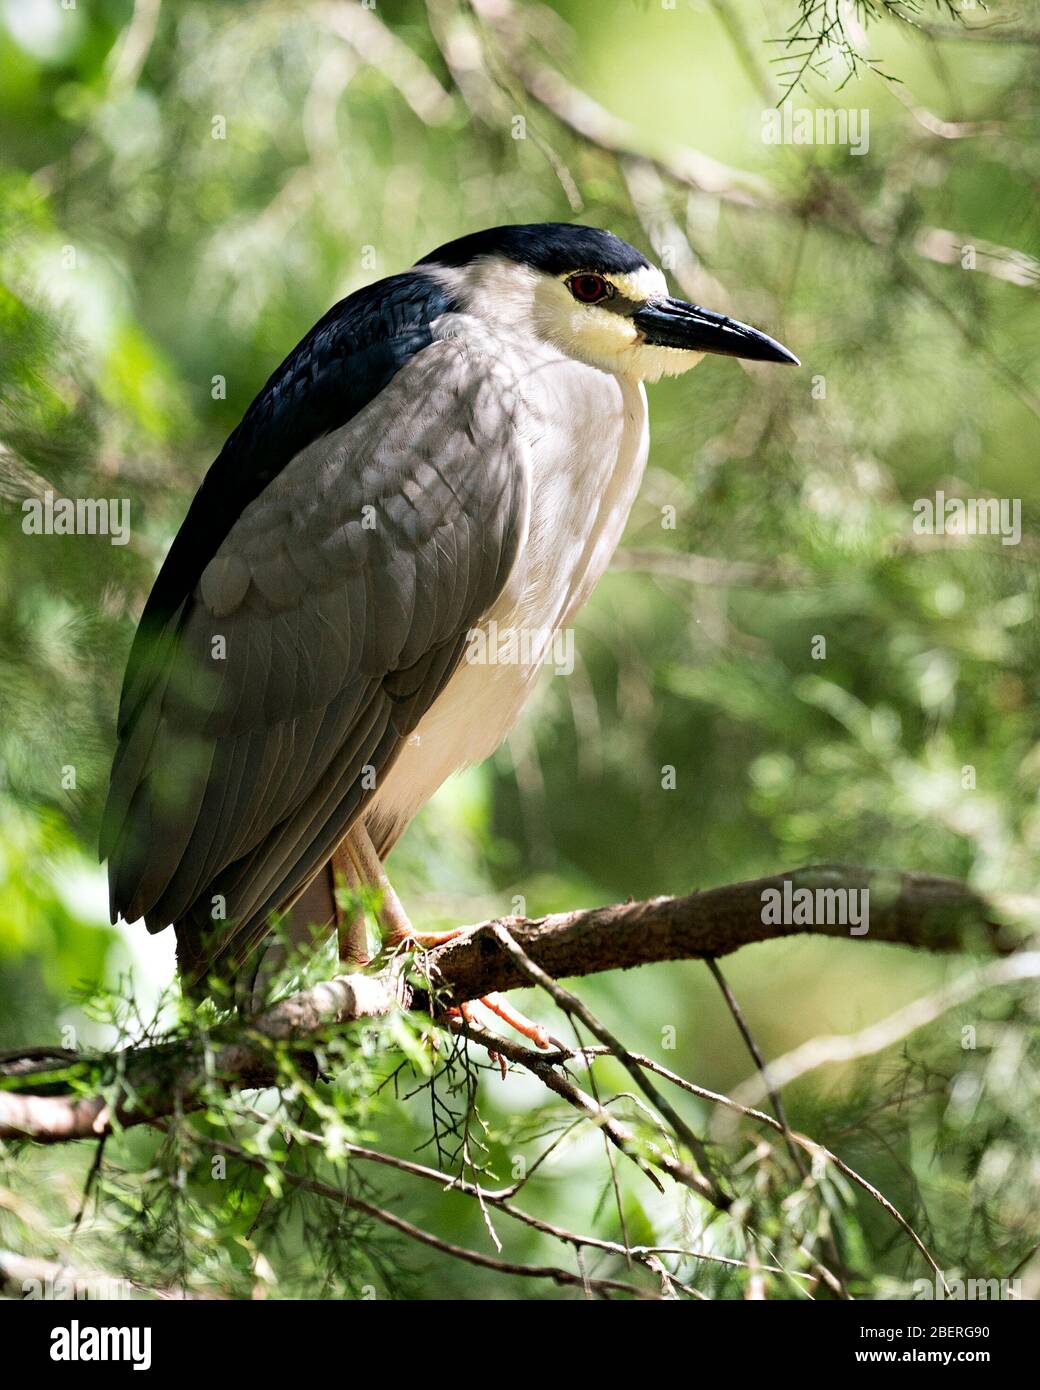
x,y
450,447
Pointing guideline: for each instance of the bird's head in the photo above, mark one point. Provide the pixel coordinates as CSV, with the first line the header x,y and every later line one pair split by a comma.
x,y
592,296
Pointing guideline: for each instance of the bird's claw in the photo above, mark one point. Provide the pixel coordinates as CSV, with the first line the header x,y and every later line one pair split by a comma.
x,y
516,1020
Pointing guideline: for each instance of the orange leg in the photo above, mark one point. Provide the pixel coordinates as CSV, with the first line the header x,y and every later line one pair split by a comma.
x,y
466,1012
516,1020
392,916
398,930
351,935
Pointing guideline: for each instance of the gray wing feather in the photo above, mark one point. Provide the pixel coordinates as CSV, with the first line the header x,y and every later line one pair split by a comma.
x,y
326,624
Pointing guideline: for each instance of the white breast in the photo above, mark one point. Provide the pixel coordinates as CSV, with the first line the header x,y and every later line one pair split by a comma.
x,y
586,440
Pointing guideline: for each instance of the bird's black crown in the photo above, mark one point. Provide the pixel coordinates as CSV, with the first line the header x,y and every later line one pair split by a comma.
x,y
553,247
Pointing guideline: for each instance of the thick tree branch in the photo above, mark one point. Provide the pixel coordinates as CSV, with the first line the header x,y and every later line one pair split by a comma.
x,y
920,910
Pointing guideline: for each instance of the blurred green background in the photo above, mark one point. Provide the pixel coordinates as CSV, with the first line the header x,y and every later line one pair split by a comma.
x,y
185,189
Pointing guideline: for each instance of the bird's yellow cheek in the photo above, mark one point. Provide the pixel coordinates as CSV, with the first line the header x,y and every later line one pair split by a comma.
x,y
603,331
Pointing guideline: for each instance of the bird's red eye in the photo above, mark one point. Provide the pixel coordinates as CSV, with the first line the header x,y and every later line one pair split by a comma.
x,y
589,289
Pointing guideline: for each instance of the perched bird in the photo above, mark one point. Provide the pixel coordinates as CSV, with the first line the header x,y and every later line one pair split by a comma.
x,y
453,446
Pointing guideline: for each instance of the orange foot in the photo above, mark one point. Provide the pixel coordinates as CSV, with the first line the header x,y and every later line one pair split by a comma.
x,y
498,1005
516,1020
428,940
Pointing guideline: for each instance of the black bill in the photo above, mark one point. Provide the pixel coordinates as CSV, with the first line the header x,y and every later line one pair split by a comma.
x,y
674,323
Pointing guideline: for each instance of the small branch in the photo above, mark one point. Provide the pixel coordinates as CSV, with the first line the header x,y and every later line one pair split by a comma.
x,y
501,1200
756,1056
1002,262
996,31
416,1233
811,1146
379,47
572,1005
888,1031
546,1068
